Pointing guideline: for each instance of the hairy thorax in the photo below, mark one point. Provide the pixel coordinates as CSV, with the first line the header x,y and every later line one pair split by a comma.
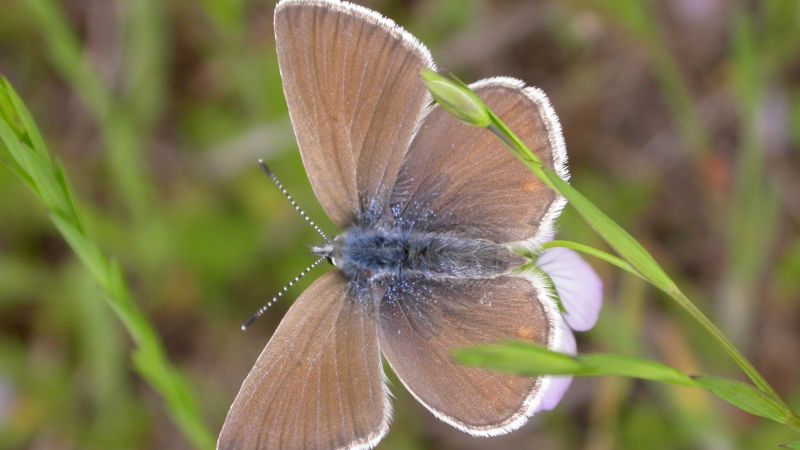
x,y
375,253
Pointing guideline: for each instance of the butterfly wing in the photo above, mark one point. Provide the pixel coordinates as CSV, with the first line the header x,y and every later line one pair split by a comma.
x,y
318,384
352,84
457,177
423,321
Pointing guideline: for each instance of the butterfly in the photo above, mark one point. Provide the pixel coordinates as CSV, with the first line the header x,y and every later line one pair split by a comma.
x,y
433,215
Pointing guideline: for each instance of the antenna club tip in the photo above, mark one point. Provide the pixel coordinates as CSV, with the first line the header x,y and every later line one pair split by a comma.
x,y
243,327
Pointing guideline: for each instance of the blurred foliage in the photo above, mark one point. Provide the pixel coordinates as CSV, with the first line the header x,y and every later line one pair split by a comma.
x,y
32,162
682,119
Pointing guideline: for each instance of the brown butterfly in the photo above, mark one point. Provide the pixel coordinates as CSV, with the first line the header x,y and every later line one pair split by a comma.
x,y
432,211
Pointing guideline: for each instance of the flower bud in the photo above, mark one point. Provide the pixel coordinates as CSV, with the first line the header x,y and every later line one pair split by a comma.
x,y
457,99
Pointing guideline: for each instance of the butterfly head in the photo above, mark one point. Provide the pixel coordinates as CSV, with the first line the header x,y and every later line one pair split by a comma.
x,y
330,250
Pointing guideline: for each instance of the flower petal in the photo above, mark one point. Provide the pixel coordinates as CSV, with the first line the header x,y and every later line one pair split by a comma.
x,y
577,284
558,385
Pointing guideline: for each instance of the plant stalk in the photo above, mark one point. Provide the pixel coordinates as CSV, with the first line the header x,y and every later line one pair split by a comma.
x,y
510,139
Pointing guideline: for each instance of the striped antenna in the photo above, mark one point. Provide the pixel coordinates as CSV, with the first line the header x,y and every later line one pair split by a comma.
x,y
291,200
280,293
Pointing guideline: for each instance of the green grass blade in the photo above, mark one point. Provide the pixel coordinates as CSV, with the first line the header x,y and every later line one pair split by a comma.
x,y
18,134
531,360
23,121
745,397
36,168
599,254
620,240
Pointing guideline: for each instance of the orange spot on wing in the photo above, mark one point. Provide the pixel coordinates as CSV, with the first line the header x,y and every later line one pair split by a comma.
x,y
525,333
531,186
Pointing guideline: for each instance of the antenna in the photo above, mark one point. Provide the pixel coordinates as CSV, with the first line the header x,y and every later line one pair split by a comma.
x,y
291,200
280,293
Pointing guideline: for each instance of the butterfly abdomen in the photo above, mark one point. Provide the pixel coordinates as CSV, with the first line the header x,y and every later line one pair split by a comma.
x,y
378,253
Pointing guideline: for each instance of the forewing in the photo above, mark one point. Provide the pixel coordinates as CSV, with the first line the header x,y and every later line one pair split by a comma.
x,y
423,321
352,84
461,178
318,384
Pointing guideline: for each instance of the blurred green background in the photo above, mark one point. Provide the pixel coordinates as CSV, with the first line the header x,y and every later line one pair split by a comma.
x,y
682,119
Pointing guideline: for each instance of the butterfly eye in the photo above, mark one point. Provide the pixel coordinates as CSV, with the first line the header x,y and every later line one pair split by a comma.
x,y
330,260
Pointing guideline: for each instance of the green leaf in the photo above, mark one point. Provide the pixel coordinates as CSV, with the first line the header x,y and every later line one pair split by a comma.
x,y
61,179
519,358
792,445
86,250
531,360
48,182
34,168
620,240
745,397
22,174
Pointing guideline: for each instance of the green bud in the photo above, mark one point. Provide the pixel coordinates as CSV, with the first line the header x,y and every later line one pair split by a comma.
x,y
8,112
457,99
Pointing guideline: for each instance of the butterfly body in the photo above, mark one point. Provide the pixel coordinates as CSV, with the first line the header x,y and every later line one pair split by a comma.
x,y
374,254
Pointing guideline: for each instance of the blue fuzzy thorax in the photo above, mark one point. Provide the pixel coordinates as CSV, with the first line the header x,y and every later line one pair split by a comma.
x,y
373,253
